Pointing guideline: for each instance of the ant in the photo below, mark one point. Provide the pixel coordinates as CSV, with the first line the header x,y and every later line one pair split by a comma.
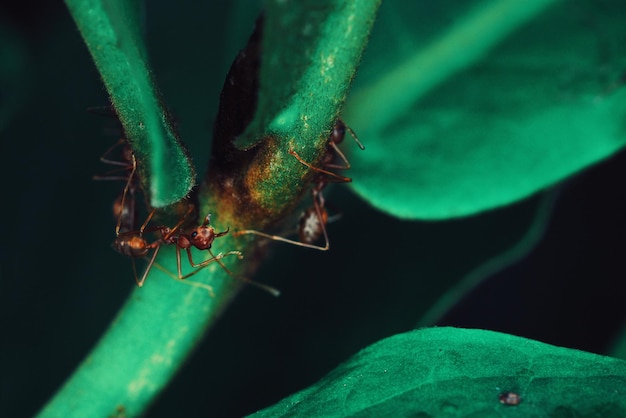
x,y
131,242
202,238
312,223
128,240
124,208
134,245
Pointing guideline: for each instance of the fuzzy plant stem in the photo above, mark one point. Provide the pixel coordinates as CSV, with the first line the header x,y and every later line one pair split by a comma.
x,y
111,31
249,186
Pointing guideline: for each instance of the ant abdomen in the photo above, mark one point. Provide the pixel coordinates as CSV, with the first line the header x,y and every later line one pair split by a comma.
x,y
311,227
312,223
131,245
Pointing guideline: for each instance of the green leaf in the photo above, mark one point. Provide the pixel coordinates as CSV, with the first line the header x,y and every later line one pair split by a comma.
x,y
462,286
475,109
463,372
111,30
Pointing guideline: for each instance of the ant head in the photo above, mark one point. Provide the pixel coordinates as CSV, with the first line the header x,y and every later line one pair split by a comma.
x,y
202,237
339,132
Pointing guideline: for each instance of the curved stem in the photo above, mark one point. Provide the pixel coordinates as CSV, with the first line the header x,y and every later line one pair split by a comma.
x,y
161,323
149,339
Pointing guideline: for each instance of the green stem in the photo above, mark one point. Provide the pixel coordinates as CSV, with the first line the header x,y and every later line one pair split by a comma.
x,y
145,345
161,322
111,31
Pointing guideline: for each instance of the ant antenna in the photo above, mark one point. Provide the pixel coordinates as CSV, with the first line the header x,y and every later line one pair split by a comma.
x,y
356,138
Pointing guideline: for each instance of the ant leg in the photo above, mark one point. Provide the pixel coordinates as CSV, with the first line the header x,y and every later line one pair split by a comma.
x,y
339,179
217,258
282,239
148,267
107,177
346,163
124,193
146,222
187,282
104,156
178,264
169,234
353,135
318,203
132,260
213,258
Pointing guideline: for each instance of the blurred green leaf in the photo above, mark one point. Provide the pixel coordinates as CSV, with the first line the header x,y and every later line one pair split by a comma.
x,y
464,285
463,372
15,74
618,346
478,106
305,76
112,32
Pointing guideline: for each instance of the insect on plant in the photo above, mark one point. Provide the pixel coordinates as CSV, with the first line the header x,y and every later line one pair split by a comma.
x,y
312,223
131,242
510,398
124,208
202,238
135,245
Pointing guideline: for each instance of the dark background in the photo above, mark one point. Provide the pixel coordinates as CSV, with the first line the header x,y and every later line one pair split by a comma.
x,y
61,284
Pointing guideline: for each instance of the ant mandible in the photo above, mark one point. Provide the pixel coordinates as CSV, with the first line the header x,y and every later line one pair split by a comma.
x,y
312,223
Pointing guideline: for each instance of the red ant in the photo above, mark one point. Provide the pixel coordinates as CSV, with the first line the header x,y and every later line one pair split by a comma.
x,y
134,245
312,223
131,242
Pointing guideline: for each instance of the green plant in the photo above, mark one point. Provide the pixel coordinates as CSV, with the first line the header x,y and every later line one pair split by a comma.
x,y
455,122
